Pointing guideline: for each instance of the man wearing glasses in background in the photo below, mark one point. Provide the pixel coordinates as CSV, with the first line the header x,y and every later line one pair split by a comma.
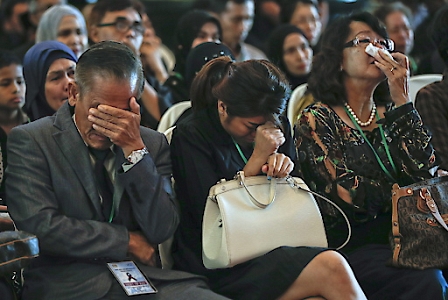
x,y
119,20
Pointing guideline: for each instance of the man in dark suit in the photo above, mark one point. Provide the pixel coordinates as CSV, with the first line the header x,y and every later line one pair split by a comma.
x,y
53,191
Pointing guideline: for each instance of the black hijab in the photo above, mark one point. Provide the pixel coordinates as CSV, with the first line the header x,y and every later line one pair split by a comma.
x,y
36,63
187,30
197,58
202,54
275,52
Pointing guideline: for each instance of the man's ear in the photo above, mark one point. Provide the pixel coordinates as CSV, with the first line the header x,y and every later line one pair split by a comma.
x,y
73,93
94,33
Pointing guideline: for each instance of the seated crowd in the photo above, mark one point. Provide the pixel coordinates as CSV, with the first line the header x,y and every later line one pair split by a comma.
x,y
83,167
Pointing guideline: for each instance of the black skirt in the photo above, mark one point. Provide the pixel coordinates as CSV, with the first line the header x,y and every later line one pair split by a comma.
x,y
265,277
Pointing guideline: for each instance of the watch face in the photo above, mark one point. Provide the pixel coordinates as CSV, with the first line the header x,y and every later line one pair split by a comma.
x,y
137,155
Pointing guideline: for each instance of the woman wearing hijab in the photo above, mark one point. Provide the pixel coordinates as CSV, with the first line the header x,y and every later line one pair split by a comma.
x,y
48,67
198,57
194,28
290,50
66,24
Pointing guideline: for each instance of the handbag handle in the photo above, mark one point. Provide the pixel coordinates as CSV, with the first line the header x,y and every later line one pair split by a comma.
x,y
425,194
272,191
293,183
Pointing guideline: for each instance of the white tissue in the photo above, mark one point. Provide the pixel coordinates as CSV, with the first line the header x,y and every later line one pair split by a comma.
x,y
372,50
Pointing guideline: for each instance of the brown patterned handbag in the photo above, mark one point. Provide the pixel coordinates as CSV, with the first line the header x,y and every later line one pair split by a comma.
x,y
419,231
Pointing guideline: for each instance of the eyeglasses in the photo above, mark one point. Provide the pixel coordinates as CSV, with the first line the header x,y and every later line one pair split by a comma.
x,y
123,25
386,44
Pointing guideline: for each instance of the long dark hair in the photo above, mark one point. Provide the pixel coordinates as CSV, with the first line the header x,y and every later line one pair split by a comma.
x,y
326,78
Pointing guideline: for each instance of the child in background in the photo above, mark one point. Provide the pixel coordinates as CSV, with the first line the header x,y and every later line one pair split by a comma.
x,y
12,98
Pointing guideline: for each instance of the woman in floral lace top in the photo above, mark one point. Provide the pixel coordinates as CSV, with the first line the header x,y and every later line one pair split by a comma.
x,y
352,148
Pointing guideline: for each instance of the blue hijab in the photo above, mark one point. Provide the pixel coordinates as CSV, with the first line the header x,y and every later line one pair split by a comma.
x,y
36,63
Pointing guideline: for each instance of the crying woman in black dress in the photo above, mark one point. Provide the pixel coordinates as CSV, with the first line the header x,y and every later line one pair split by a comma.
x,y
243,129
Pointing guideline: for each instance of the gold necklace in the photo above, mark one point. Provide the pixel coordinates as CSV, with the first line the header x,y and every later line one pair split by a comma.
x,y
362,124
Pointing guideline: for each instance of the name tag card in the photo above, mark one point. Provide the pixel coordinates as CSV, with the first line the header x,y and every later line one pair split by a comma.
x,y
131,278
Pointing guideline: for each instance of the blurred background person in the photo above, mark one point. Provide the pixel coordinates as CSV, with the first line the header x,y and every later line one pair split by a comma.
x,y
305,15
30,21
324,13
194,28
199,56
156,58
48,67
395,16
290,50
432,100
196,59
266,19
120,21
424,51
12,98
66,24
236,18
12,32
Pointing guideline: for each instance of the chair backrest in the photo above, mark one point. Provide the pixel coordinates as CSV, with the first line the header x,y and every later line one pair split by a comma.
x,y
168,57
169,133
171,115
296,95
419,81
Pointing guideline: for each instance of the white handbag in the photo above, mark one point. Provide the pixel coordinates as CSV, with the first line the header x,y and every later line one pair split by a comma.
x,y
237,226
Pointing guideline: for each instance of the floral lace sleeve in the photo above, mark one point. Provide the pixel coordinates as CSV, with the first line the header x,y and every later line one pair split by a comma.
x,y
410,141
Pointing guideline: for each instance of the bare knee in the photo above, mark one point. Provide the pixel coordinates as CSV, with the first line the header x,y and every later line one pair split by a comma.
x,y
333,267
331,261
329,276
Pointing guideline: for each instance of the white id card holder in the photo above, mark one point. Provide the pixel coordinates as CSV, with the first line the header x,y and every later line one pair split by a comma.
x,y
131,278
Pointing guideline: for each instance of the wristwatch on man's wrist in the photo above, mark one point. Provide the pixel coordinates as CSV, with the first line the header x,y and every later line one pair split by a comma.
x,y
137,155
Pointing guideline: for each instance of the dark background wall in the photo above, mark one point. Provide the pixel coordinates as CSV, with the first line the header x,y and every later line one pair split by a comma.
x,y
164,15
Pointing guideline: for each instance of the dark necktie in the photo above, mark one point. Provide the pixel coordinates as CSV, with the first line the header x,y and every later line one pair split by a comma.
x,y
104,183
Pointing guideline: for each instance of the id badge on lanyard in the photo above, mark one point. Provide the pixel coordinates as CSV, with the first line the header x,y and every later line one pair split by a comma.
x,y
131,278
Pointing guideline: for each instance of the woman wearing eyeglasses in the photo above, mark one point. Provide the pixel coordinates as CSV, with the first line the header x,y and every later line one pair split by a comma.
x,y
66,24
352,148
